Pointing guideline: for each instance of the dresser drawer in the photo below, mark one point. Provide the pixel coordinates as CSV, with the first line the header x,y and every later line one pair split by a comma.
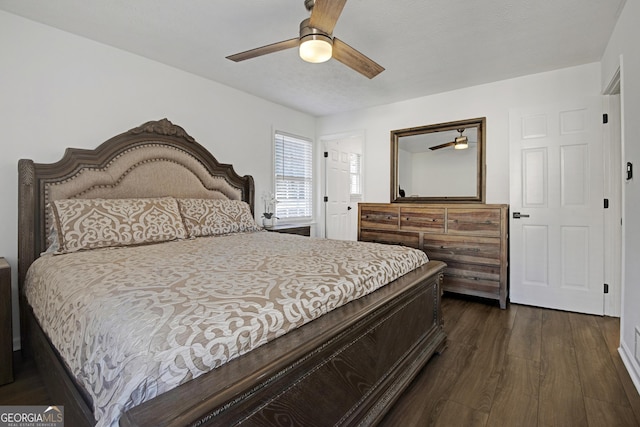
x,y
474,250
391,237
473,271
484,222
479,288
379,218
427,220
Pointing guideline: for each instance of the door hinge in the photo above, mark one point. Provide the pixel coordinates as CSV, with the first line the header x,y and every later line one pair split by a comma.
x,y
606,288
606,203
326,154
326,198
605,118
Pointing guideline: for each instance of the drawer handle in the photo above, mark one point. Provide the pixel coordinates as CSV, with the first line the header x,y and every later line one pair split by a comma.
x,y
460,249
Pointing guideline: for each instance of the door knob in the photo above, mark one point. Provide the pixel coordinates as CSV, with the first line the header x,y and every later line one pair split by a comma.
x,y
348,208
517,215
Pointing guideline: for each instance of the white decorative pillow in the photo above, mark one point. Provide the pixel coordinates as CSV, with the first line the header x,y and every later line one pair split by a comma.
x,y
210,217
101,223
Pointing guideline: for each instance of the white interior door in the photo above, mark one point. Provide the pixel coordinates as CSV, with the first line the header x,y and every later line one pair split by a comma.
x,y
338,207
556,186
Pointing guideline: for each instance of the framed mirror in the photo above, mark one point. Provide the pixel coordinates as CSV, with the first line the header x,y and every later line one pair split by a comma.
x,y
443,162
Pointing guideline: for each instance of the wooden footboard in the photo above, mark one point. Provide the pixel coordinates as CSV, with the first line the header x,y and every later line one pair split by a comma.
x,y
346,368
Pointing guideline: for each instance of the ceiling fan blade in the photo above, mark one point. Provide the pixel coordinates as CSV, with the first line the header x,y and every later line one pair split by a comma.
x,y
264,50
437,147
354,59
325,14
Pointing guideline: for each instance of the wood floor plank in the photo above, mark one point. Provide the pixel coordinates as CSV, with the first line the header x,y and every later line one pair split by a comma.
x,y
561,402
558,348
457,415
468,320
516,399
476,385
520,376
526,335
627,385
610,328
27,387
600,413
598,374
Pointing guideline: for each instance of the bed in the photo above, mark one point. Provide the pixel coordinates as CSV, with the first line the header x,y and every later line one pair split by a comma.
x,y
343,358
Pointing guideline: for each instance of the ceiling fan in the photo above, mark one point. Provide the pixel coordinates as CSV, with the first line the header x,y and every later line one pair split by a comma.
x,y
316,42
459,143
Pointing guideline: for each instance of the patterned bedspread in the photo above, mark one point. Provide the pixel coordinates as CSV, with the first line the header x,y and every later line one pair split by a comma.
x,y
134,322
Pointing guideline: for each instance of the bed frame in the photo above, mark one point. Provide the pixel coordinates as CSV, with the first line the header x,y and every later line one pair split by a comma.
x,y
345,368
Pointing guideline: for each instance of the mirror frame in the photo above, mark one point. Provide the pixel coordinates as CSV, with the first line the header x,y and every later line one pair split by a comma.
x,y
479,197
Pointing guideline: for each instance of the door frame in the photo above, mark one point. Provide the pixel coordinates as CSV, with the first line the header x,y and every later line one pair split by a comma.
x,y
614,191
324,140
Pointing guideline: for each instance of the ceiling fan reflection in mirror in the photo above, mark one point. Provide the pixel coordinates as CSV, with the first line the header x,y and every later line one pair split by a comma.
x,y
316,42
459,143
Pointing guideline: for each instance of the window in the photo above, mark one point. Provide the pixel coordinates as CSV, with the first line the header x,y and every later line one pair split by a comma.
x,y
294,177
354,174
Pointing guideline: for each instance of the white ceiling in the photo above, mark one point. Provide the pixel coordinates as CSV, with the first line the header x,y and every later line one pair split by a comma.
x,y
426,46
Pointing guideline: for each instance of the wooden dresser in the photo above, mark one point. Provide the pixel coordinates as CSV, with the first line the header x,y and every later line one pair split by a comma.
x,y
471,238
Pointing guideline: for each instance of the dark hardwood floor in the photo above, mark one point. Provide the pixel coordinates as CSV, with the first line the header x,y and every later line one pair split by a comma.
x,y
523,366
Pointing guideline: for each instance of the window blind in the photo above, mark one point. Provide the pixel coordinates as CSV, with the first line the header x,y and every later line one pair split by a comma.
x,y
293,177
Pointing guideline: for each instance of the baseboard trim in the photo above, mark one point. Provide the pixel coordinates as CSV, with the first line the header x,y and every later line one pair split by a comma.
x,y
629,363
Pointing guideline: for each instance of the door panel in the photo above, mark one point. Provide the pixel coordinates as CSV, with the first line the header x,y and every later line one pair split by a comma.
x,y
535,248
534,186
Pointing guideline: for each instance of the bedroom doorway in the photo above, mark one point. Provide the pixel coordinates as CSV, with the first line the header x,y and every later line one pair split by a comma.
x,y
557,213
343,185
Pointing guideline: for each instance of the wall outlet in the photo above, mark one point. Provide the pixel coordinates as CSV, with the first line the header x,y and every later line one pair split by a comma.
x,y
637,352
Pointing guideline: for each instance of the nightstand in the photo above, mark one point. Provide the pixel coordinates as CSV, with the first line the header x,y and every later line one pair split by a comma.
x,y
302,230
6,331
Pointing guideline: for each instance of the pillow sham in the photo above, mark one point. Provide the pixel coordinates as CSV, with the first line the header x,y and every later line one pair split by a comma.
x,y
211,217
100,223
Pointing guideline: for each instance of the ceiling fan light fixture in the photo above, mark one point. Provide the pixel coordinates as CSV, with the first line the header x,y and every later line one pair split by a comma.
x,y
316,48
461,143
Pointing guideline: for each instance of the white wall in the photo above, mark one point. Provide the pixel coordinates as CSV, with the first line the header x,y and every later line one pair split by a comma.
x,y
445,172
492,101
623,53
59,90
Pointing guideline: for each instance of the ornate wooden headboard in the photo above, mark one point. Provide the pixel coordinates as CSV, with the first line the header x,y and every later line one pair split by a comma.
x,y
155,159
